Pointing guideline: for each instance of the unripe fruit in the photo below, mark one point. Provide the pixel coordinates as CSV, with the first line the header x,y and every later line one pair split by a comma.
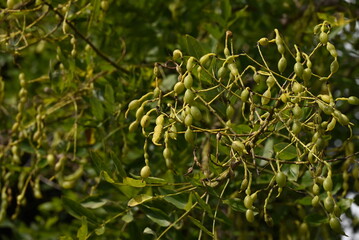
x,y
133,126
10,4
156,92
250,215
233,68
179,88
297,111
196,113
134,104
307,74
316,189
238,146
226,52
145,172
145,121
263,41
244,184
297,87
244,95
281,48
188,97
221,72
177,54
331,124
173,132
282,64
140,112
329,204
334,66
204,59
298,69
190,64
50,158
167,153
328,184
335,225
105,5
337,211
229,111
257,77
248,201
281,179
323,38
266,97
160,119
353,100
284,97
270,81
343,119
188,135
188,120
188,81
315,201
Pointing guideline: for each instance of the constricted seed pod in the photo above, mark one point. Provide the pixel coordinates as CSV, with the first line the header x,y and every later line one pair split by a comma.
x,y
157,134
329,204
316,189
173,132
233,68
353,100
196,113
179,88
315,201
266,97
188,97
229,111
190,64
250,215
282,64
297,111
133,126
331,124
270,81
298,69
248,201
188,81
323,38
281,179
177,54
188,120
263,41
145,121
145,172
296,127
188,135
334,66
335,225
244,95
307,74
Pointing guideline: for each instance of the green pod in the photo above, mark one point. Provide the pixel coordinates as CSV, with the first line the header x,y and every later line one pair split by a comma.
x,y
281,179
244,95
307,74
282,64
353,100
188,97
298,69
334,66
188,81
323,38
190,64
188,135
230,111
179,88
266,97
196,113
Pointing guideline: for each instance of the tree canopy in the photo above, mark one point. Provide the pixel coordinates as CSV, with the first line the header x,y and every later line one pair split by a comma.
x,y
178,119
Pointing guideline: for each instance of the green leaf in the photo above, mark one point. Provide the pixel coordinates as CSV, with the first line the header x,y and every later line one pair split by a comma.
x,y
139,199
78,211
134,182
83,230
315,219
194,48
226,9
293,172
94,205
178,200
236,204
200,225
109,94
285,151
346,203
305,201
97,108
268,148
157,216
107,177
99,163
203,204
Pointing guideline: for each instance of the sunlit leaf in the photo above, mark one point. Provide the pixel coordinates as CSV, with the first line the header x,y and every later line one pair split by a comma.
x,y
139,200
134,182
157,216
82,231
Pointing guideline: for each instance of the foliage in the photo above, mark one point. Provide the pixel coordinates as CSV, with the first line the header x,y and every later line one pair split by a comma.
x,y
229,144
